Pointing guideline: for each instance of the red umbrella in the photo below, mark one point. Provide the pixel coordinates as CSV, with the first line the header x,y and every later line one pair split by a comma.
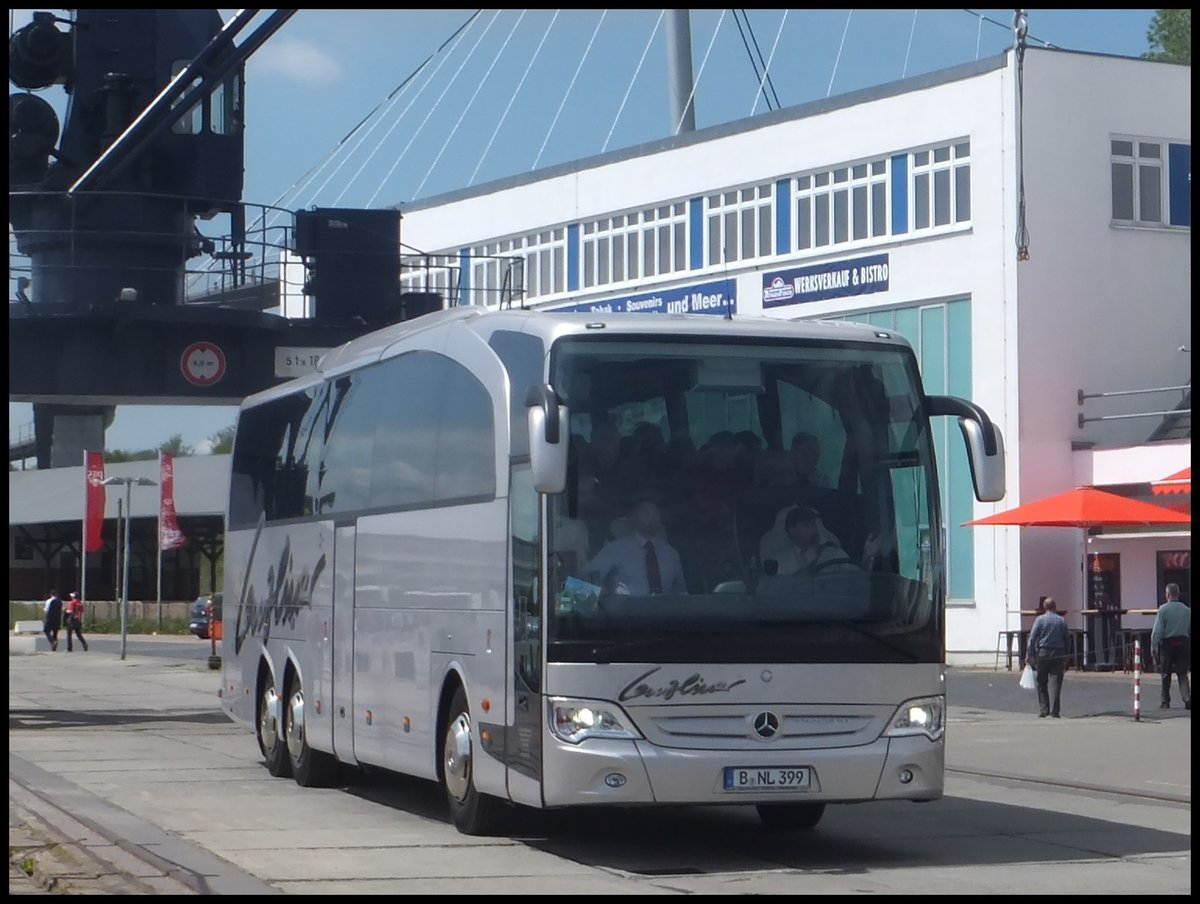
x,y
1179,482
1085,507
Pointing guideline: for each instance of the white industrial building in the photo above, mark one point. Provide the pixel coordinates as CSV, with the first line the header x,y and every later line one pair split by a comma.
x,y
1024,220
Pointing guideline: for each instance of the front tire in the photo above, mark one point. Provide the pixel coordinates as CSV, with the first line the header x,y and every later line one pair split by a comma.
x,y
311,768
269,743
471,812
788,817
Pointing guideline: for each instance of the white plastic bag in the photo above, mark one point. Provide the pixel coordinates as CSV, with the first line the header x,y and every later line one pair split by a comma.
x,y
1028,679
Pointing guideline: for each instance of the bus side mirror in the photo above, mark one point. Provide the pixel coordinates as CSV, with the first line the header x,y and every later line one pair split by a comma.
x,y
985,445
548,440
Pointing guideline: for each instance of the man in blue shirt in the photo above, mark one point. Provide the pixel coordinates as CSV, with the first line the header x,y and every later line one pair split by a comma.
x,y
1049,641
1171,641
642,562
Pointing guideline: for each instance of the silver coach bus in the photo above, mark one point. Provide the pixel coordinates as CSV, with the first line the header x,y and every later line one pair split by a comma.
x,y
427,565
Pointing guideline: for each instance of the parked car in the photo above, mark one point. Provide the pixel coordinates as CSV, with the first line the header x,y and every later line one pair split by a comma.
x,y
206,608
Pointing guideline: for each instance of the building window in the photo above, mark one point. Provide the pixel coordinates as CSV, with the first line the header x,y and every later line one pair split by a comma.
x,y
741,224
622,248
429,273
512,268
845,204
1151,182
941,185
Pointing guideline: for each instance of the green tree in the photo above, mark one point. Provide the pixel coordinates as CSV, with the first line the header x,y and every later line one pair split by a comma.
x,y
174,446
222,441
115,456
1170,36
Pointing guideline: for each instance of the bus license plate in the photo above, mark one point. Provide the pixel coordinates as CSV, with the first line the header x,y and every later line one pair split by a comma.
x,y
769,778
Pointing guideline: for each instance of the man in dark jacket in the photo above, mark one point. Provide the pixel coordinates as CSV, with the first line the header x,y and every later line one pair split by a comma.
x,y
52,619
1049,641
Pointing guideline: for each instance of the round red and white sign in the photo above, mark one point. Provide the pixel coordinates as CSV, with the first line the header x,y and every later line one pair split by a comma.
x,y
203,363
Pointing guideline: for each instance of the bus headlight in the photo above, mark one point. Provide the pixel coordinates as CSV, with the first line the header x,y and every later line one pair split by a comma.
x,y
922,715
574,721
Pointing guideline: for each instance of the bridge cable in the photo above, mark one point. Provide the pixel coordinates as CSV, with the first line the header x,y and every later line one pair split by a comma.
x,y
758,50
770,59
400,118
388,101
567,93
516,91
473,96
908,50
633,80
838,59
753,63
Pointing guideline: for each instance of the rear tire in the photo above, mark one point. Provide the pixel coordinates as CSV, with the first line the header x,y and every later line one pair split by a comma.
x,y
471,812
311,768
273,749
791,817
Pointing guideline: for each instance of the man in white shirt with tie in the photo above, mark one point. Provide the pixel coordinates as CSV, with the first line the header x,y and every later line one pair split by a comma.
x,y
642,562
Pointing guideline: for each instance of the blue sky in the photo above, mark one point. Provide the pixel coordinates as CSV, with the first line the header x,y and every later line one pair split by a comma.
x,y
340,111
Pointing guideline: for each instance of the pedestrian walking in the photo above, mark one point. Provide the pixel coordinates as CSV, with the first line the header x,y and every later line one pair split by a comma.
x,y
74,622
52,619
1049,641
1171,640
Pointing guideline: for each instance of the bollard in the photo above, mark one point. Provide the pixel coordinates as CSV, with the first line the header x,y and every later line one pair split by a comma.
x,y
1137,680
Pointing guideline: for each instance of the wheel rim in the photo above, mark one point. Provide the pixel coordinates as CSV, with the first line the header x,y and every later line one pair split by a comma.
x,y
267,736
456,757
295,725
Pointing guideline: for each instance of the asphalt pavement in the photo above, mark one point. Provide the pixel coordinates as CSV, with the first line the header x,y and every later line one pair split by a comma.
x,y
67,834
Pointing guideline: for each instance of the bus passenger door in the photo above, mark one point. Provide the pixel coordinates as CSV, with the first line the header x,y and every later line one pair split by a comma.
x,y
524,746
342,643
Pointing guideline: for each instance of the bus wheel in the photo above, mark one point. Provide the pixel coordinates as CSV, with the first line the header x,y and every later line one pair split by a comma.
x,y
790,816
273,750
311,768
472,813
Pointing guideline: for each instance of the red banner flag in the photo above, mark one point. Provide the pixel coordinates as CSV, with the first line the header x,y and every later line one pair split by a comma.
x,y
93,501
169,534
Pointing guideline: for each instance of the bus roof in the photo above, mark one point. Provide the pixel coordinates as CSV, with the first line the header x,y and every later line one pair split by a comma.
x,y
552,325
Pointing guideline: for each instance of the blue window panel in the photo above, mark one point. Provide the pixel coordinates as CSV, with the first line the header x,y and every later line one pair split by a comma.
x,y
932,349
783,216
958,351
1179,183
573,257
958,493
696,238
908,325
881,319
900,194
464,276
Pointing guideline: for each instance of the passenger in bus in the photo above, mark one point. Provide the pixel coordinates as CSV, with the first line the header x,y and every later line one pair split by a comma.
x,y
800,544
806,457
602,489
641,562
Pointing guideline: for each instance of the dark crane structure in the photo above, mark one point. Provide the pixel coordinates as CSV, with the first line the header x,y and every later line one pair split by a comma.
x,y
140,275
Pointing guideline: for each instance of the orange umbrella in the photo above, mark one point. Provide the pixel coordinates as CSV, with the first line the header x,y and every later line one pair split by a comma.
x,y
1084,507
1179,482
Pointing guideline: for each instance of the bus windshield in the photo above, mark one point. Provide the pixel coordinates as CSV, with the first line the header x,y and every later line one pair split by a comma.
x,y
762,501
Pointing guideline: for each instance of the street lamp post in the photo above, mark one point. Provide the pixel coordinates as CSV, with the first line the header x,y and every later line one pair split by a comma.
x,y
128,483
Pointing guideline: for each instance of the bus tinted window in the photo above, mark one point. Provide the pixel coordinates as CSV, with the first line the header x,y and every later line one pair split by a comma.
x,y
275,458
349,441
466,440
523,357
